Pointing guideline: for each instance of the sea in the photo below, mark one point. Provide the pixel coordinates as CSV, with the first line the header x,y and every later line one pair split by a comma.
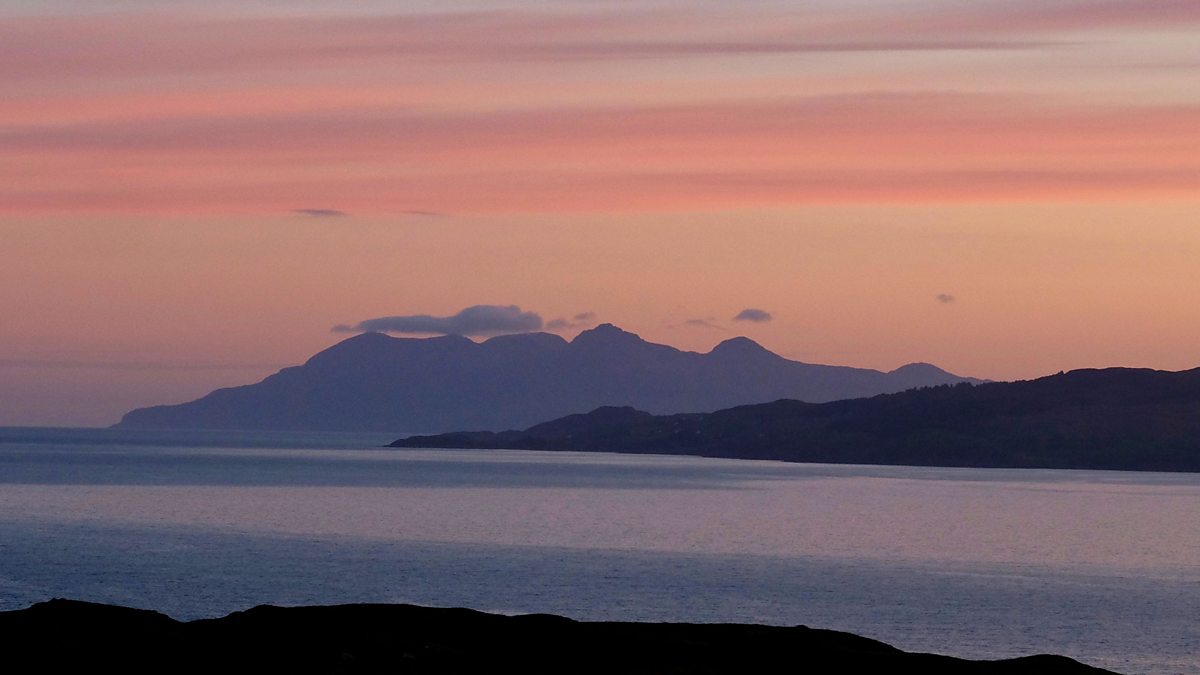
x,y
1101,566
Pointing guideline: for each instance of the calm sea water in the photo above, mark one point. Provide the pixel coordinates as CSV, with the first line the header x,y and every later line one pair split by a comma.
x,y
1100,566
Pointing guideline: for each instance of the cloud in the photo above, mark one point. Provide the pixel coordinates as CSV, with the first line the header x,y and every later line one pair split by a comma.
x,y
193,41
483,320
1073,151
321,213
114,44
578,321
755,315
702,323
1026,19
136,365
945,298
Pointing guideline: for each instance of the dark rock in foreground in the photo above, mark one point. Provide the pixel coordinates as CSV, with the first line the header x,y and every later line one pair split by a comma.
x,y
1116,418
59,634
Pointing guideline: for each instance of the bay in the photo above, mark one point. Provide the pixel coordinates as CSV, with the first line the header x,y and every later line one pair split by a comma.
x,y
1100,566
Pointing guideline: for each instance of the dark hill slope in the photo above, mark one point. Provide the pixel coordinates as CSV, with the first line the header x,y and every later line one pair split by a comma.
x,y
62,635
1116,418
372,382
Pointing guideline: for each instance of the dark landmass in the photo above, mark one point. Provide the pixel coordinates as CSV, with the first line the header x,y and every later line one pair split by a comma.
x,y
64,634
1116,418
372,382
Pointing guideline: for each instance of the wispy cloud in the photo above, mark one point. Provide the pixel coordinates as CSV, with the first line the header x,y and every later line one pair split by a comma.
x,y
580,320
481,320
1025,18
956,123
769,152
703,323
276,107
75,364
198,42
321,213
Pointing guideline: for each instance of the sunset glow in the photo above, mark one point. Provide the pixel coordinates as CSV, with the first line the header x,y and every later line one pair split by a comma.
x,y
192,194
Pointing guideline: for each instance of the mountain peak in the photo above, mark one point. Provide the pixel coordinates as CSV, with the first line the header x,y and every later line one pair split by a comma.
x,y
922,374
363,343
918,368
368,337
606,334
607,329
604,417
740,346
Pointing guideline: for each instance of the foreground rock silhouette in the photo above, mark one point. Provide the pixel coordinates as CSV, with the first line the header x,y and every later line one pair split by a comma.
x,y
58,634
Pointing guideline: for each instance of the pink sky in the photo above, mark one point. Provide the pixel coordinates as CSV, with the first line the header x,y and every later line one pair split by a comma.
x,y
839,164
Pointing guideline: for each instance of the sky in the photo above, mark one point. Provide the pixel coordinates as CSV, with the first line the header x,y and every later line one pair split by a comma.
x,y
195,194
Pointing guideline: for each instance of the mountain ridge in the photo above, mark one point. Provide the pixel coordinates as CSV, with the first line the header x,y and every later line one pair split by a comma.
x,y
1127,419
375,382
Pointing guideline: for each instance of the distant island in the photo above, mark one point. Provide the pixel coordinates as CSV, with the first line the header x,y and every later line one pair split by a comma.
x,y
64,634
1115,418
373,382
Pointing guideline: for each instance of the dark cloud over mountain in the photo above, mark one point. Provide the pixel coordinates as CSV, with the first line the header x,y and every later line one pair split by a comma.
x,y
477,320
755,315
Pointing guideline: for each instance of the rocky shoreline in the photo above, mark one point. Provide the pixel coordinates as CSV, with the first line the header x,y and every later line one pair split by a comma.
x,y
409,639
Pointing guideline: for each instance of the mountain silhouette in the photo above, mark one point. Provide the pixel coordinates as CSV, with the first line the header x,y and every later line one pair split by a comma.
x,y
1114,418
373,382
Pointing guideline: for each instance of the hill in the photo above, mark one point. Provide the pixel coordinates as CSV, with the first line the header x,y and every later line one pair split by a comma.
x,y
1115,418
373,382
74,636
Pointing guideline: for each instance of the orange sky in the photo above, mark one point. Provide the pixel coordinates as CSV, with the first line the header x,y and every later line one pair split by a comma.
x,y
840,165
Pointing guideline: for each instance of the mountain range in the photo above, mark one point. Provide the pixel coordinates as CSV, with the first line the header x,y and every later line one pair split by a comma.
x,y
1112,418
374,382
